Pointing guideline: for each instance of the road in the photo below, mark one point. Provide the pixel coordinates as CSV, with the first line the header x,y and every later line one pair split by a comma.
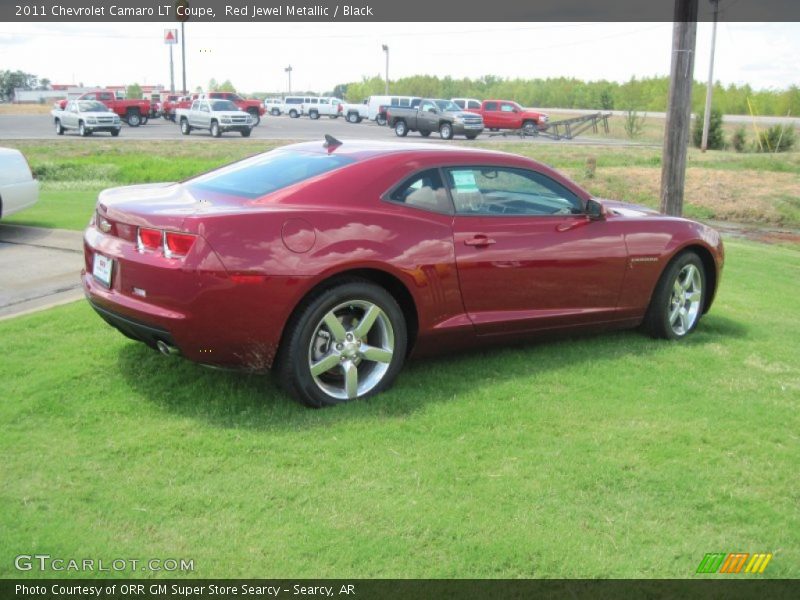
x,y
40,127
39,268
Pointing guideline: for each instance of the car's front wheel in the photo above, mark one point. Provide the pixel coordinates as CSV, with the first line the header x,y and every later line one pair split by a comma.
x,y
446,131
346,342
678,300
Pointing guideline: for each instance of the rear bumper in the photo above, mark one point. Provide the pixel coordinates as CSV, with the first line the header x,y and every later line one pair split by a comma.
x,y
132,328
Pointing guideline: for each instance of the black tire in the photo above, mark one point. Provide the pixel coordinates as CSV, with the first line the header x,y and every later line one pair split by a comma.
x,y
145,120
133,118
424,133
82,131
115,132
446,131
59,127
186,129
664,318
215,130
246,132
353,117
400,128
336,116
493,129
529,128
293,114
304,339
275,112
471,136
381,120
313,115
256,117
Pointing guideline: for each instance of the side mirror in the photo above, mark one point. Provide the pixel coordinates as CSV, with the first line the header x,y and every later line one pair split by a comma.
x,y
595,211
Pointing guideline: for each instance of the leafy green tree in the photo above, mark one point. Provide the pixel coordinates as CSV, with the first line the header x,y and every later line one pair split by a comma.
x,y
133,91
11,80
716,137
226,86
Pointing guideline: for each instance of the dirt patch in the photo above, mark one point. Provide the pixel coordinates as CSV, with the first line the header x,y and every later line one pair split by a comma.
x,y
745,195
26,109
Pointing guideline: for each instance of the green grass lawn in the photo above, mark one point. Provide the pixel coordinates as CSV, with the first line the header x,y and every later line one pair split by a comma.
x,y
607,456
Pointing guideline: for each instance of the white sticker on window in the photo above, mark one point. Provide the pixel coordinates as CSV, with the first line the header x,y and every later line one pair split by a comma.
x,y
464,181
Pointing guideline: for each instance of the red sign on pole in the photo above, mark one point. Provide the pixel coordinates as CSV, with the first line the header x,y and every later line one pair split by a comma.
x,y
170,36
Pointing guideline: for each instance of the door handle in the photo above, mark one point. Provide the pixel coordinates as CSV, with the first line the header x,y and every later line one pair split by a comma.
x,y
479,241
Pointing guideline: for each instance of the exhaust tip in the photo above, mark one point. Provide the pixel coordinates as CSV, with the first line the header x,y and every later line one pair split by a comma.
x,y
166,349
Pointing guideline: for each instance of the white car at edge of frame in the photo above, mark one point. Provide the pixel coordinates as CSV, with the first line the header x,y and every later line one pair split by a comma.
x,y
18,188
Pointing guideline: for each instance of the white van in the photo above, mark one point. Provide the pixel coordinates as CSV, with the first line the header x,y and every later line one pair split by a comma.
x,y
324,105
293,105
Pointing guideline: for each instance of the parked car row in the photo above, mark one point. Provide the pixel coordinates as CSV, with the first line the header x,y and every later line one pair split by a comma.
x,y
494,114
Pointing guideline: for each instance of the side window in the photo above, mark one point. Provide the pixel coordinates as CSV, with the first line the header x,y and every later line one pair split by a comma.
x,y
506,108
509,192
428,106
424,190
491,106
460,103
473,104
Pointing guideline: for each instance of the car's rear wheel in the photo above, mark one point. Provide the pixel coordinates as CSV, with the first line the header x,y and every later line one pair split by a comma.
x,y
446,131
346,342
293,114
401,129
134,118
59,127
353,118
313,115
186,129
678,300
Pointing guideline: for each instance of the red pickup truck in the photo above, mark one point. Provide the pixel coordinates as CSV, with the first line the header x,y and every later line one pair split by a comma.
x,y
254,107
505,114
133,112
168,103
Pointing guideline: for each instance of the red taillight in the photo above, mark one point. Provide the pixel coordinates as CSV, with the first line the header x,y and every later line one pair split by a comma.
x,y
151,239
178,244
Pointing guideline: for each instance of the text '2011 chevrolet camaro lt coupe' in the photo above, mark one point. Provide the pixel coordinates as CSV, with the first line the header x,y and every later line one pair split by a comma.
x,y
331,263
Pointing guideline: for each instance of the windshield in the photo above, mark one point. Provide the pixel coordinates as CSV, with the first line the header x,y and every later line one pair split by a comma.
x,y
92,106
447,105
266,173
223,105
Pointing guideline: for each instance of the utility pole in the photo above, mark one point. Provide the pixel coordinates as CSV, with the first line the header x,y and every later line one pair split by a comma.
x,y
710,88
289,71
679,108
183,56
386,49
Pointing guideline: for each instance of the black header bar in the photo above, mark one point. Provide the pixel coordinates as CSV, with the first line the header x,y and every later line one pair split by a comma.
x,y
441,11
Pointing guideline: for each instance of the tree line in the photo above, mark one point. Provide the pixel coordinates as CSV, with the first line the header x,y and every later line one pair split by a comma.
x,y
645,94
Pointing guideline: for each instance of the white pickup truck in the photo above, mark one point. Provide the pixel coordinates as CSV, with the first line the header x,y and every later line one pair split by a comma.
x,y
217,116
355,113
87,117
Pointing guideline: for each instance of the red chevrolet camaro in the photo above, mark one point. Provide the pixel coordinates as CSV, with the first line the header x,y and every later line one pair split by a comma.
x,y
331,263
